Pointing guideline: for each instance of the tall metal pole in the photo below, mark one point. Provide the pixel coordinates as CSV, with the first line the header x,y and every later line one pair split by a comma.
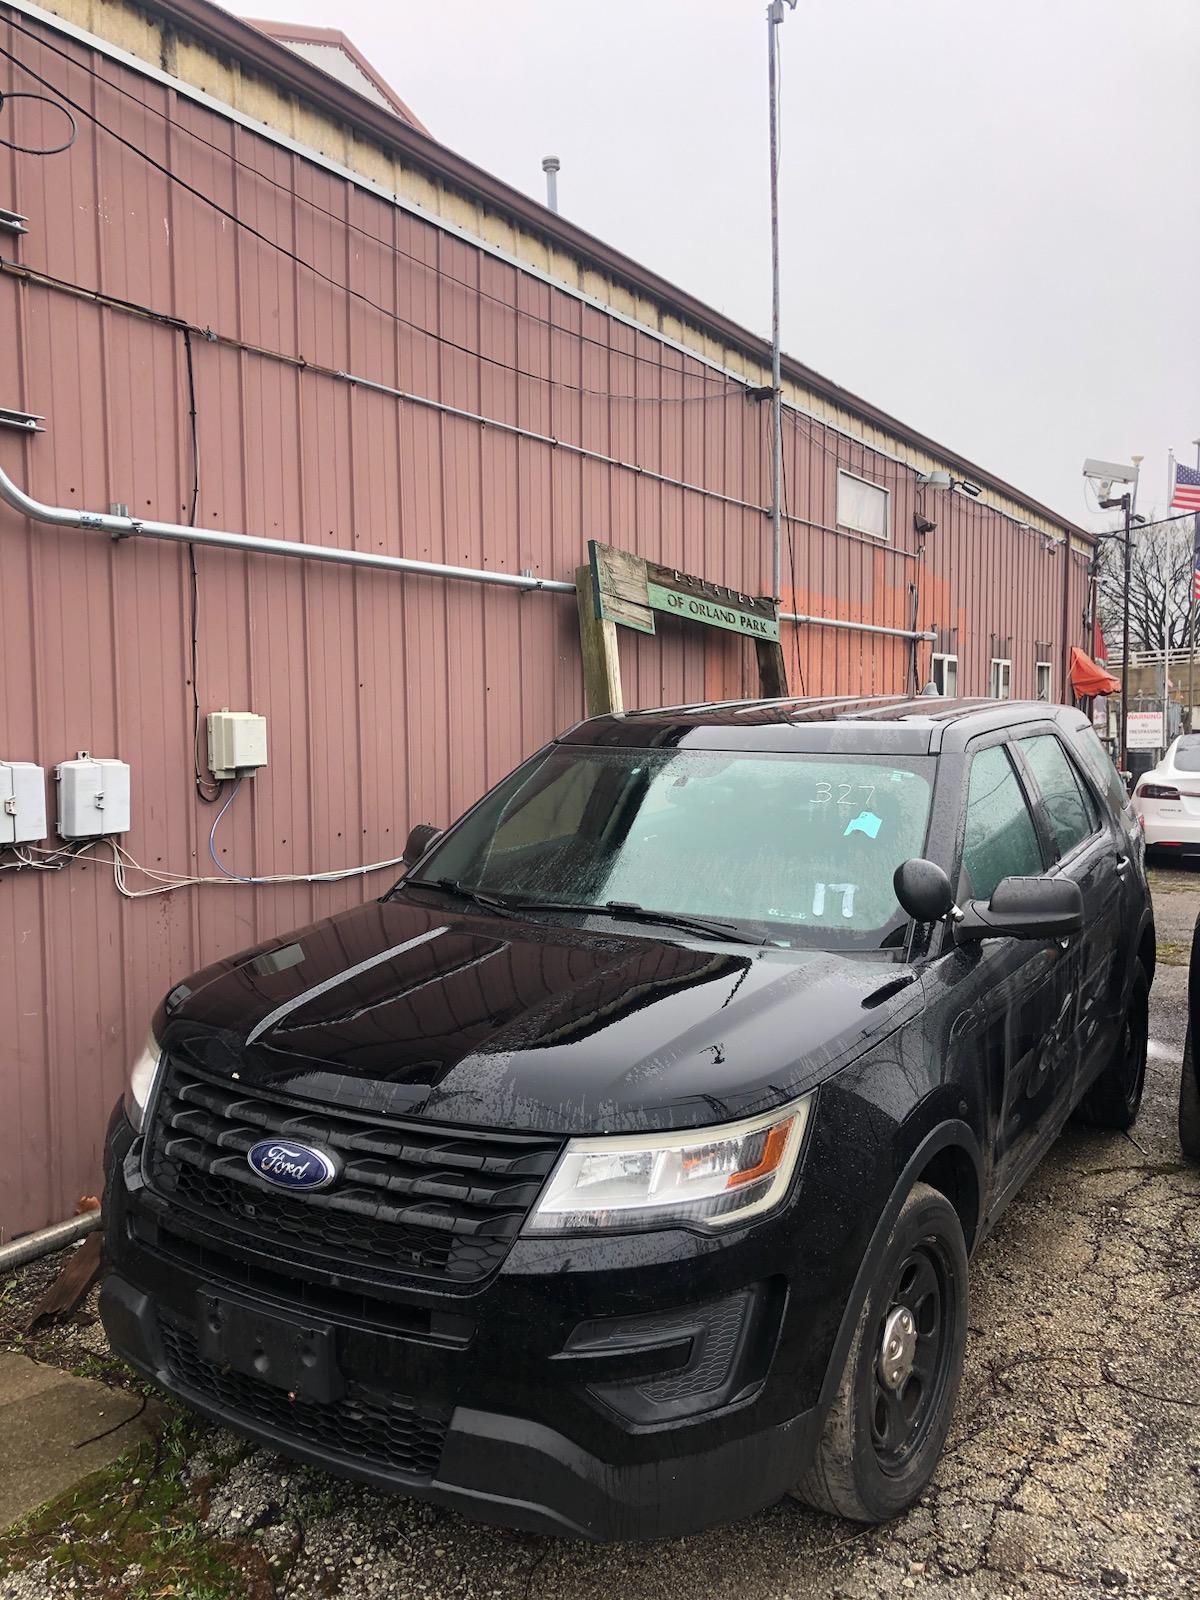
x,y
1127,504
774,18
1192,605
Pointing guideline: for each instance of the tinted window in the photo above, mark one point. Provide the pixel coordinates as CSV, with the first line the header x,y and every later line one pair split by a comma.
x,y
1187,753
1099,763
1072,815
801,848
1000,840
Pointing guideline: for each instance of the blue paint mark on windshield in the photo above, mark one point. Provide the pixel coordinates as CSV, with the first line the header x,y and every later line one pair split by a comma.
x,y
865,822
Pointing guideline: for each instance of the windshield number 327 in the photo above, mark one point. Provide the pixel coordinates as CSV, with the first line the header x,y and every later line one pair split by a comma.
x,y
825,793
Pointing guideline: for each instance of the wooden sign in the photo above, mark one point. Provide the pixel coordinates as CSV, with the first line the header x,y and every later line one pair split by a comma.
x,y
628,590
620,588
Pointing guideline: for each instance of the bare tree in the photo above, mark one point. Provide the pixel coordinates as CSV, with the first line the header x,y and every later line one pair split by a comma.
x,y
1159,588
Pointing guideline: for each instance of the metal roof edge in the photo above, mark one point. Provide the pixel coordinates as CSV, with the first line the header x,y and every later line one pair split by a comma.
x,y
249,45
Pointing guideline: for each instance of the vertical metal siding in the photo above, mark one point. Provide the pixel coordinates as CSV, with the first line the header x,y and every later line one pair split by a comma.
x,y
390,700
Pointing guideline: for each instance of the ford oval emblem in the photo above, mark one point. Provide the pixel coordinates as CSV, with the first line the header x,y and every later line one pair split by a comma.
x,y
292,1166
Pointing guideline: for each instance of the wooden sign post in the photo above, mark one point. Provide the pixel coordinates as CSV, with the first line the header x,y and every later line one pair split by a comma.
x,y
617,589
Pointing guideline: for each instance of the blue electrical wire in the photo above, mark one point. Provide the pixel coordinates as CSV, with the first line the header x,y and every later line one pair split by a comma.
x,y
212,836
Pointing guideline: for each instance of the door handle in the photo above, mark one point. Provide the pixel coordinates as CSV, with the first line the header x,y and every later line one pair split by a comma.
x,y
1122,865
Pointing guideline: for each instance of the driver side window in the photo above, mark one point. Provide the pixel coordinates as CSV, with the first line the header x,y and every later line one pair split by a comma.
x,y
1000,840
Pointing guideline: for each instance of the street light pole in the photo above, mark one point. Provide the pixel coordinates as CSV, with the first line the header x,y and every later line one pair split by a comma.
x,y
774,20
1103,474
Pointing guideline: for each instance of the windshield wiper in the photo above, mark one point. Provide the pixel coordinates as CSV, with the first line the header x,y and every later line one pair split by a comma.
x,y
476,896
627,909
669,919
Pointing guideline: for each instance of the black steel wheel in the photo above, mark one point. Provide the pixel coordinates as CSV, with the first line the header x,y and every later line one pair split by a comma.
x,y
1115,1098
910,1366
885,1430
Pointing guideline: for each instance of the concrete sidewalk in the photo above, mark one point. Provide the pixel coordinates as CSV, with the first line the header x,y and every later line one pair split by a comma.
x,y
56,1429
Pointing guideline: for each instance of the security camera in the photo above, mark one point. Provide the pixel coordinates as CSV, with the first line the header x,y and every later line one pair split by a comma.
x,y
1106,473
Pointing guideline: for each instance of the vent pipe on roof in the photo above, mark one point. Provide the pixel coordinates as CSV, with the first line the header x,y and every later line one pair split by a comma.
x,y
550,166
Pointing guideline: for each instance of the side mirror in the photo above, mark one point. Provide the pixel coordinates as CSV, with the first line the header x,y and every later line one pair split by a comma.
x,y
420,840
1127,779
1023,908
923,890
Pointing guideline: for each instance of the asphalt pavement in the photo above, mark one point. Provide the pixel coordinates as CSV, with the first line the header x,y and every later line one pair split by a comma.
x,y
1073,1467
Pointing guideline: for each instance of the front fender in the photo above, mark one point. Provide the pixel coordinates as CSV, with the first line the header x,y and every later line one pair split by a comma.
x,y
951,1135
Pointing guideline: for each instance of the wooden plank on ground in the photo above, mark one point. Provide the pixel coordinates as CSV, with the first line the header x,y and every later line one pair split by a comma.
x,y
72,1283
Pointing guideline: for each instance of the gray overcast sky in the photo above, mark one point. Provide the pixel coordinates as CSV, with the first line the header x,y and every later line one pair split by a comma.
x,y
991,213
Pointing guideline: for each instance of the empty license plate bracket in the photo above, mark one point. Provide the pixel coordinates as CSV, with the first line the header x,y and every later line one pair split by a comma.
x,y
296,1356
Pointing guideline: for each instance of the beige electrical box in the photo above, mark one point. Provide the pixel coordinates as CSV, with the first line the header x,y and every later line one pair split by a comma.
x,y
237,743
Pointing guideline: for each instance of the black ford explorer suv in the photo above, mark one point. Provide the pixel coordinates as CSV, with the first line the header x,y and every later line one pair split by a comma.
x,y
615,1174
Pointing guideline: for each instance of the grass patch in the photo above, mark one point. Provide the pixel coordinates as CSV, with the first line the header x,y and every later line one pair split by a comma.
x,y
1174,952
1168,880
140,1517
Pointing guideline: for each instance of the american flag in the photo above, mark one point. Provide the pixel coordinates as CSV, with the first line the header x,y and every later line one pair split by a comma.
x,y
1185,492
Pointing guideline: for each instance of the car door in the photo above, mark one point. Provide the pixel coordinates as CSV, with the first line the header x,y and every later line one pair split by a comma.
x,y
1086,851
1010,1038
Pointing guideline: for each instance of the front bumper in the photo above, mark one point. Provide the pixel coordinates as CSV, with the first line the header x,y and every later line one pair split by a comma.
x,y
622,1388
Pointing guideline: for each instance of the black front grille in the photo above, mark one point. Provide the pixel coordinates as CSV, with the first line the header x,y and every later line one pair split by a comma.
x,y
411,1200
363,1426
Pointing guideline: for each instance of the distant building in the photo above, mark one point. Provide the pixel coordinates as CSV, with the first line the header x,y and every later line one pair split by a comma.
x,y
256,292
329,49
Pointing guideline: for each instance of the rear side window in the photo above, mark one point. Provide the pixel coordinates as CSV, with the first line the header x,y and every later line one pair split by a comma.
x,y
1099,763
1187,753
1072,814
1000,839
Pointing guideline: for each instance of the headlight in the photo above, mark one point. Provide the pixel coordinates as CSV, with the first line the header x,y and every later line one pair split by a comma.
x,y
141,1081
710,1176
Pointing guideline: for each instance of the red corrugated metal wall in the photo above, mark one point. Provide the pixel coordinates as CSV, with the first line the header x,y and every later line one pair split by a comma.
x,y
389,699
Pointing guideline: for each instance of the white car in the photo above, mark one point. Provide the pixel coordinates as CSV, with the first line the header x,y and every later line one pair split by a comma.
x,y
1167,799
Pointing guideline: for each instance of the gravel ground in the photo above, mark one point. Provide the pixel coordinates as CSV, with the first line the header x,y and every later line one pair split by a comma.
x,y
1073,1467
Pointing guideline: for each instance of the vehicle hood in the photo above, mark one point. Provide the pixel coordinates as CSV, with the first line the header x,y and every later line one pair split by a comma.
x,y
404,1010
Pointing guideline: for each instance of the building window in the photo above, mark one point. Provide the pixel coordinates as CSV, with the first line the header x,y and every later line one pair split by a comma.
x,y
1041,678
1000,682
863,506
945,675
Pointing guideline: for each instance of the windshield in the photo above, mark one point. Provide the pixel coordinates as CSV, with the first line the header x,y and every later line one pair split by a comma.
x,y
1187,753
800,849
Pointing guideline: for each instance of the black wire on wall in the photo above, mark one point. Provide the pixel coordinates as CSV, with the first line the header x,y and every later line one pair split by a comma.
x,y
208,789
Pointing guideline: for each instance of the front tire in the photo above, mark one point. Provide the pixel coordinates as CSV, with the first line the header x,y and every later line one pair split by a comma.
x,y
885,1431
1115,1098
1189,1103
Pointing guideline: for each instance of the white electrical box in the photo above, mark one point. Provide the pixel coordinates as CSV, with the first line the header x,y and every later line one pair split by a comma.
x,y
93,796
22,802
237,743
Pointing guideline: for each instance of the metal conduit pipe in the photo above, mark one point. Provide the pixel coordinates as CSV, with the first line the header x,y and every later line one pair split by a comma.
x,y
56,1237
181,533
605,460
556,444
856,627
